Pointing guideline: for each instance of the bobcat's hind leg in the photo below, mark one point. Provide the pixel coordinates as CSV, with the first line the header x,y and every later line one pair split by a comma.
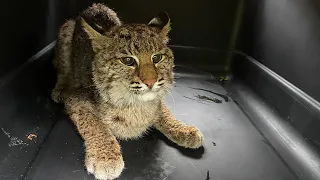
x,y
58,93
62,61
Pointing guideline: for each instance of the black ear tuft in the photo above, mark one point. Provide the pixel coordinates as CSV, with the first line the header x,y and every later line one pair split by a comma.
x,y
160,21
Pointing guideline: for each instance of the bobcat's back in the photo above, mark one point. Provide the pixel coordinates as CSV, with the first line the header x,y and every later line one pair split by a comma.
x,y
72,60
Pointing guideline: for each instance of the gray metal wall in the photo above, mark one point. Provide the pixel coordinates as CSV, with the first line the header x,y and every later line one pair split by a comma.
x,y
284,35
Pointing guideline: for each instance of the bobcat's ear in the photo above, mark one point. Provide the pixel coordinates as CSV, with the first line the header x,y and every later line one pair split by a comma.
x,y
95,37
162,21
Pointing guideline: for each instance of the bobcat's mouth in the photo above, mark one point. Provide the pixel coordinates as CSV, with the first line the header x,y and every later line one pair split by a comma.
x,y
142,90
138,87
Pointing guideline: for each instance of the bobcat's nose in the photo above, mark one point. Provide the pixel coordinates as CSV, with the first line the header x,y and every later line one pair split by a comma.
x,y
149,82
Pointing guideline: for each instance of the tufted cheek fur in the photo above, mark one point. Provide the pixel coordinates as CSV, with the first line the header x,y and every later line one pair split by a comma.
x,y
110,75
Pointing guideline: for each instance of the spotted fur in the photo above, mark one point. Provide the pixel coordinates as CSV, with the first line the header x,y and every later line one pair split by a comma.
x,y
107,99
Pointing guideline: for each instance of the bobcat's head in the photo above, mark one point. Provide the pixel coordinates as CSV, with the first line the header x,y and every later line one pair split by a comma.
x,y
132,62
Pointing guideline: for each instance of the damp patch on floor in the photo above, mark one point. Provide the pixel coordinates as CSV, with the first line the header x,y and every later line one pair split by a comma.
x,y
225,97
159,170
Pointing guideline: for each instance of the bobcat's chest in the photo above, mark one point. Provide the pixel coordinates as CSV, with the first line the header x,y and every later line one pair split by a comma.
x,y
132,122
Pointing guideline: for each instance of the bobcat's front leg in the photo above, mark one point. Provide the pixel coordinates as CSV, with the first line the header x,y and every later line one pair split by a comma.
x,y
178,132
103,155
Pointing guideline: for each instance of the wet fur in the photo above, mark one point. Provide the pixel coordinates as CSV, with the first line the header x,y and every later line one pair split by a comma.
x,y
98,90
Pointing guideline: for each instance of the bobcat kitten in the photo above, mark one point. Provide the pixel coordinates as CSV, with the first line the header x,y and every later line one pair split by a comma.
x,y
112,78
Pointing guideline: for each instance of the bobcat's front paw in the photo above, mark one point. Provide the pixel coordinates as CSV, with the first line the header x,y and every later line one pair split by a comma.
x,y
104,166
190,137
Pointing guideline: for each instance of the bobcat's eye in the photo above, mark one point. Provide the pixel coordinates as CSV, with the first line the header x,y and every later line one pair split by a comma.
x,y
129,61
157,58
